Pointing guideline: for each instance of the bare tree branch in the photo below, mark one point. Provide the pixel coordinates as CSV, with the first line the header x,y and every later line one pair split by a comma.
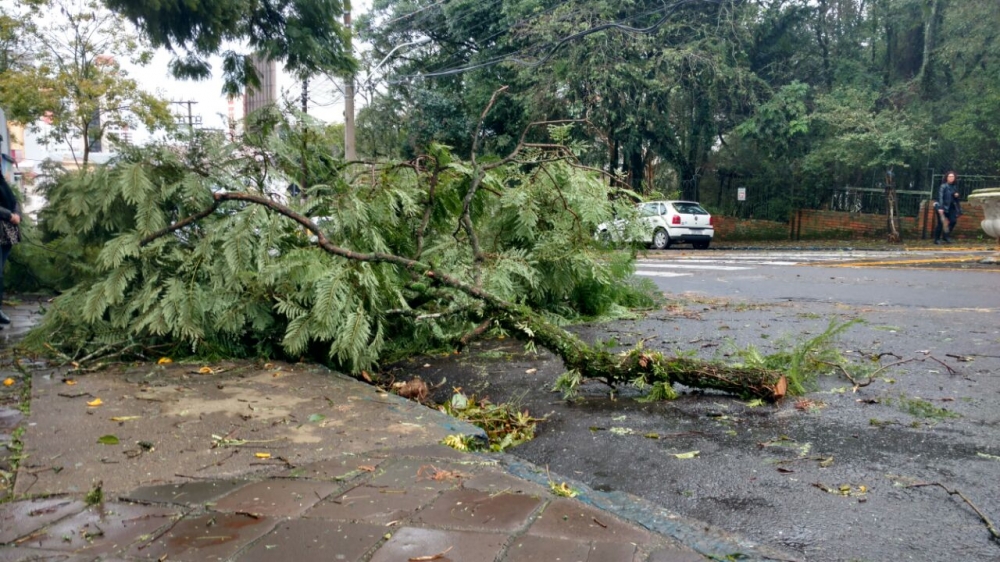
x,y
989,524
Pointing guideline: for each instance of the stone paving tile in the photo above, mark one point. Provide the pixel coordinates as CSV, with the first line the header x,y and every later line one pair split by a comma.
x,y
215,536
461,546
612,552
340,469
104,529
494,482
676,556
304,540
478,510
569,519
276,498
187,493
372,505
9,419
437,451
544,549
10,554
22,518
415,473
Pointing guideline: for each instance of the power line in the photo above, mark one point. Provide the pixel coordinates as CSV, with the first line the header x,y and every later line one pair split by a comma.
x,y
415,12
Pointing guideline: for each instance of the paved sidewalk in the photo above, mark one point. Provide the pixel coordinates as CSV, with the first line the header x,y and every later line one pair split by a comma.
x,y
279,461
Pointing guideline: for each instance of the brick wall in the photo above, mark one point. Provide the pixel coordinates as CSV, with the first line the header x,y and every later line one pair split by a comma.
x,y
809,224
728,229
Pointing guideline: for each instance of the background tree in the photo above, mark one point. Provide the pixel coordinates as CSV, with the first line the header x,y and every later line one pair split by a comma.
x,y
24,89
80,48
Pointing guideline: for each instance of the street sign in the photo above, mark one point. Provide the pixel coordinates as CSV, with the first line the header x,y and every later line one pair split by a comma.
x,y
741,194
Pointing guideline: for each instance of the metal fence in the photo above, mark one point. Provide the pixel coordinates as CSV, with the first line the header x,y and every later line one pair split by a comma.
x,y
965,184
869,200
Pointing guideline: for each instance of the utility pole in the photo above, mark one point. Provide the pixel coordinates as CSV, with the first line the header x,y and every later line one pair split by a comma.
x,y
191,119
305,94
350,149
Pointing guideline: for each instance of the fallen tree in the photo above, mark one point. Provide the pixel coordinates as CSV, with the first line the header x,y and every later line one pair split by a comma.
x,y
203,249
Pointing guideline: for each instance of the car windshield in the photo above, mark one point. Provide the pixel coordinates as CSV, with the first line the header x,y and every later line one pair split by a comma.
x,y
687,208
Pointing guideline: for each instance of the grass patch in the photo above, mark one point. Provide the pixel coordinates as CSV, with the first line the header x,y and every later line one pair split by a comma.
x,y
923,409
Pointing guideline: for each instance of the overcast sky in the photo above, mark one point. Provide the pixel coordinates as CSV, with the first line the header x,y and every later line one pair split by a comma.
x,y
326,100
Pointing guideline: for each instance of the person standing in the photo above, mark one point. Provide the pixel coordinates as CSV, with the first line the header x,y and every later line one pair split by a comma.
x,y
10,232
949,208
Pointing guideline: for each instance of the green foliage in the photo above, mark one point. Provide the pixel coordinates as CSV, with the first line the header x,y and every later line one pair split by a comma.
x,y
306,35
803,363
568,383
505,425
245,280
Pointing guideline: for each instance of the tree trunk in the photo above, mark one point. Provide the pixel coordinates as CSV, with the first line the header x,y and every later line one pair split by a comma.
x,y
926,75
822,37
892,210
650,366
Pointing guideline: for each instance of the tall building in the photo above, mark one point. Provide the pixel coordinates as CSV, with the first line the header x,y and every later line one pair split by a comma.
x,y
267,94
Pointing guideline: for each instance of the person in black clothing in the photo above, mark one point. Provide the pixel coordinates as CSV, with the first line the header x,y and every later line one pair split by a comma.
x,y
949,208
10,232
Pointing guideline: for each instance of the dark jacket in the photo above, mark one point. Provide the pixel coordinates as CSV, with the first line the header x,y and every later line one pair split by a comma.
x,y
948,201
8,202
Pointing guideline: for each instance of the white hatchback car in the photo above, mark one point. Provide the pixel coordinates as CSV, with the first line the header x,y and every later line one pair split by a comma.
x,y
663,223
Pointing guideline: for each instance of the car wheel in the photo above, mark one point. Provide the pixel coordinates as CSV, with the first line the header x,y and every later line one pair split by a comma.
x,y
661,240
701,245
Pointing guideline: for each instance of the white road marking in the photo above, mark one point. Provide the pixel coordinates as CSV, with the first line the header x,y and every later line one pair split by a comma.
x,y
673,265
661,274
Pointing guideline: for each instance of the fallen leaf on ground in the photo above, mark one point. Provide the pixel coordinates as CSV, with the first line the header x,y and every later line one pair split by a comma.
x,y
8,381
262,455
563,490
124,418
108,440
205,371
70,382
164,361
437,556
95,402
531,371
688,455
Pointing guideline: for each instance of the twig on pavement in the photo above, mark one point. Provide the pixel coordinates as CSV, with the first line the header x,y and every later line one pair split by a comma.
x,y
956,492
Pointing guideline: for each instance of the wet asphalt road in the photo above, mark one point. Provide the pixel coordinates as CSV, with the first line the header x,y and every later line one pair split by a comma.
x,y
834,277
825,479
